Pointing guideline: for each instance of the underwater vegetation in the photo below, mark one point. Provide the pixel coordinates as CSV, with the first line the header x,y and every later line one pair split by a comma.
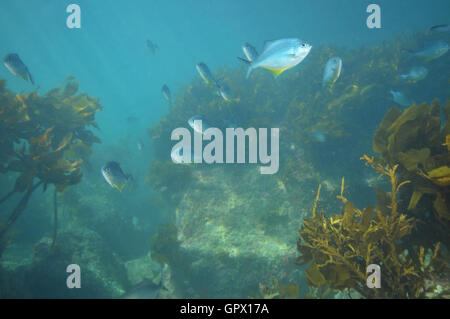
x,y
307,114
44,140
339,248
323,132
168,177
164,244
418,141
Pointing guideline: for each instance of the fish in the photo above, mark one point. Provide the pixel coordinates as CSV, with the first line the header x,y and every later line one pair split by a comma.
x,y
145,290
195,125
225,92
332,71
281,55
416,74
15,65
166,93
205,73
400,98
250,53
140,145
114,175
152,46
432,50
318,136
445,28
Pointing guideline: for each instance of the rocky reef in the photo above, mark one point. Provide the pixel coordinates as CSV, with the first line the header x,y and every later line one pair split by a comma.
x,y
223,227
228,231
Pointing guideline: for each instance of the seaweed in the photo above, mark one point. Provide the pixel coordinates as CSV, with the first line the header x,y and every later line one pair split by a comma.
x,y
339,248
297,104
417,141
38,140
169,178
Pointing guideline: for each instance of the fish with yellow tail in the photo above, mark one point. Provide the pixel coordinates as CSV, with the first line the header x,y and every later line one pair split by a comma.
x,y
114,176
280,55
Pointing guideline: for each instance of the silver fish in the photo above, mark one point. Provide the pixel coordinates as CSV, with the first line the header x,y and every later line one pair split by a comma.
x,y
432,50
445,28
114,175
400,98
205,73
225,92
281,55
332,71
15,65
166,93
416,74
140,145
318,136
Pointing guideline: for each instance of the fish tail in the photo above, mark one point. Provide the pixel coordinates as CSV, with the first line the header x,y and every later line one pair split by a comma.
x,y
244,60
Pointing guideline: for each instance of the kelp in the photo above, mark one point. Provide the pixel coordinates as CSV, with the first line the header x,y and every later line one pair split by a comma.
x,y
165,248
416,140
169,178
339,248
40,138
297,104
274,290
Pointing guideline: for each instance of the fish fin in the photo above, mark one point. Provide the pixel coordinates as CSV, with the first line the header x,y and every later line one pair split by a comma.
x,y
244,60
120,187
250,69
276,72
267,43
31,78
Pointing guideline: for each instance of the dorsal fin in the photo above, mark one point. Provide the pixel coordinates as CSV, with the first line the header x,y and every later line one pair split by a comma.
x,y
267,43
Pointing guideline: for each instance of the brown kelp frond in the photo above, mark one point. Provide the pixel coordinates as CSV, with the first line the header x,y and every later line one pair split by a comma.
x,y
40,137
341,247
416,141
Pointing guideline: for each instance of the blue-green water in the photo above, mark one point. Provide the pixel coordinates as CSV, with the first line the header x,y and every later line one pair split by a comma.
x,y
109,58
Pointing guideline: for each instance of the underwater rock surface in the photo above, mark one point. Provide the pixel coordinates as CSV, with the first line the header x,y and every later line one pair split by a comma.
x,y
231,220
103,274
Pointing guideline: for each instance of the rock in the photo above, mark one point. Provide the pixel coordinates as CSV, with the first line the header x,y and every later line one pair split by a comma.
x,y
238,229
103,274
143,268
